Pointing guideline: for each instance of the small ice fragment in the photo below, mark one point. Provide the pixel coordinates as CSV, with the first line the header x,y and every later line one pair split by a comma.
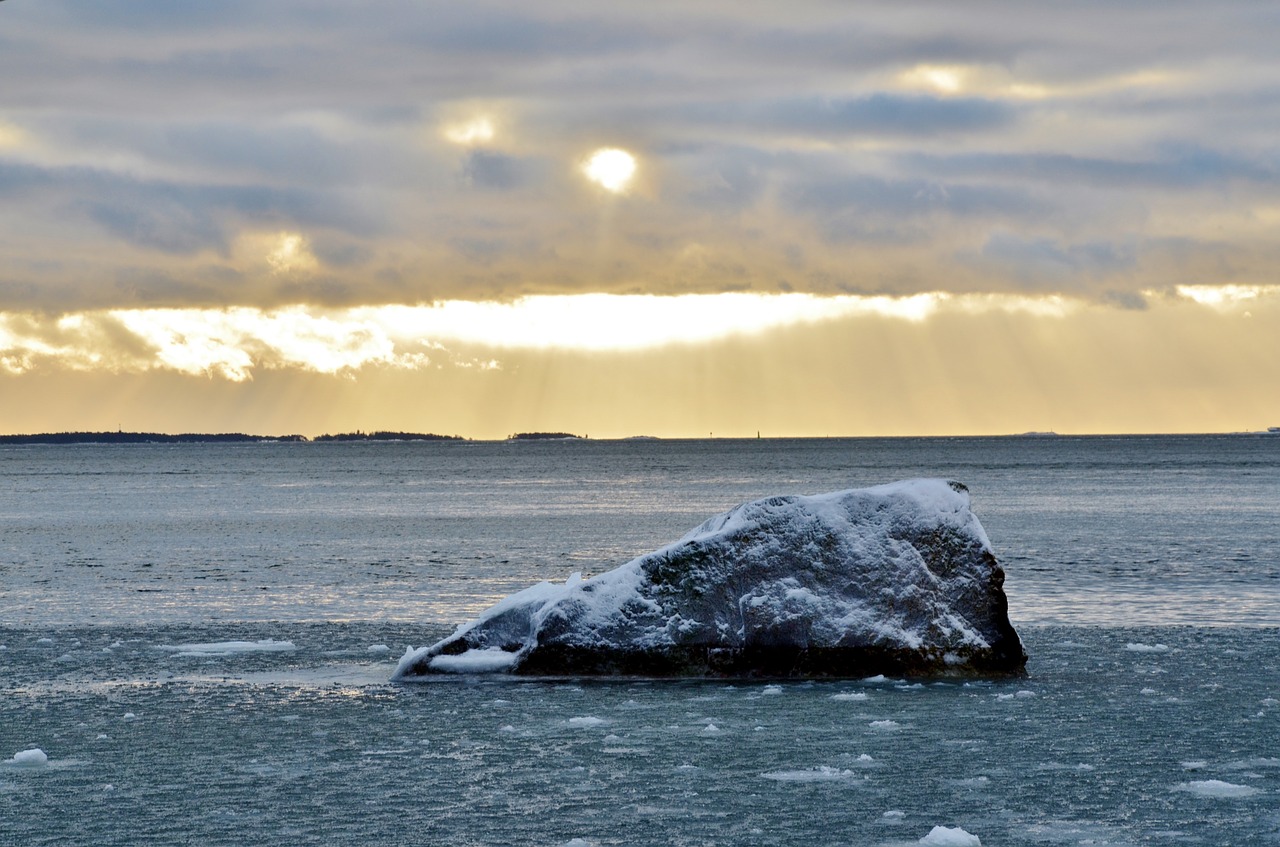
x,y
379,648
1147,691
102,736
865,758
893,816
876,678
45,641
587,721
1217,788
771,689
128,716
849,695
1004,696
506,728
1139,647
884,725
33,758
611,738
1024,694
710,729
1195,765
949,836
577,842
227,648
819,774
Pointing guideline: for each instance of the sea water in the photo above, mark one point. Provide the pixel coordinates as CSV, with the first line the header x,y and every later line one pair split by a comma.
x,y
197,640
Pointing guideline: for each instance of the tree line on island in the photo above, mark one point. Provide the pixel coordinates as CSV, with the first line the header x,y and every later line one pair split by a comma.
x,y
121,437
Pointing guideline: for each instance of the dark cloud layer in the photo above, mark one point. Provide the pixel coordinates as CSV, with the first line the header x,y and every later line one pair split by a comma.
x,y
151,151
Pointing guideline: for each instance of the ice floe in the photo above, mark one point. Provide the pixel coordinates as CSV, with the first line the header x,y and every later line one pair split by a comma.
x,y
587,721
227,648
1217,788
950,836
819,774
33,758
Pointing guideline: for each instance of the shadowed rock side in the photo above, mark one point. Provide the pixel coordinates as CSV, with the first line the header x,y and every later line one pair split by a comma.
x,y
898,580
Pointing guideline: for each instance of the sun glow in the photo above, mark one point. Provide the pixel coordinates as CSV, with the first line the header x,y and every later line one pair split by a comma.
x,y
234,343
478,130
611,168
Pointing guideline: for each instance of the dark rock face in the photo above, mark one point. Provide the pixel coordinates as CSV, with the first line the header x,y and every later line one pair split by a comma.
x,y
897,580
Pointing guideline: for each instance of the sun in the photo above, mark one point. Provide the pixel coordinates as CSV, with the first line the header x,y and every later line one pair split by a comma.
x,y
611,168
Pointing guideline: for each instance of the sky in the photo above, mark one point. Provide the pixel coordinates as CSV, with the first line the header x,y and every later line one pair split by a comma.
x,y
659,218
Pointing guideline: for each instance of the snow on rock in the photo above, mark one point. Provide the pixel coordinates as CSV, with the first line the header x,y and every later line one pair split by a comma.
x,y
950,836
896,579
33,758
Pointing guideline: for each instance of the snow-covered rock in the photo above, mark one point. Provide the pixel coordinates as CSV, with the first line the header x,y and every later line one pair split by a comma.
x,y
898,579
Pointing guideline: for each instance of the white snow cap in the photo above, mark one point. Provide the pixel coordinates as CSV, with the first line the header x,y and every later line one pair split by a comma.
x,y
948,836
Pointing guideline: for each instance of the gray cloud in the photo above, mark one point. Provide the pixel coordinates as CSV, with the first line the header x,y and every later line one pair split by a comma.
x,y
779,147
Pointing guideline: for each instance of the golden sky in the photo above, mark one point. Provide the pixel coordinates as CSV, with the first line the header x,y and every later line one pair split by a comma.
x,y
616,219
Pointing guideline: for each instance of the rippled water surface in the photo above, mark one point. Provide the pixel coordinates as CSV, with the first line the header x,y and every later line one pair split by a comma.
x,y
198,638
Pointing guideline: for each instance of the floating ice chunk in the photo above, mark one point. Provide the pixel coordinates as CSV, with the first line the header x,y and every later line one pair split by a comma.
x,y
490,660
578,842
893,816
102,736
950,836
771,689
865,758
1217,788
128,716
1195,765
877,678
44,641
885,725
1139,647
710,729
507,728
227,648
1024,694
1147,691
379,648
849,695
819,774
587,721
33,758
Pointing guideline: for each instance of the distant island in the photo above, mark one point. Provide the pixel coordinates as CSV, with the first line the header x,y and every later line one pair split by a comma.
x,y
543,436
387,436
121,437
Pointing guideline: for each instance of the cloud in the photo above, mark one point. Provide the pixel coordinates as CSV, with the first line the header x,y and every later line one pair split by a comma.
x,y
1102,153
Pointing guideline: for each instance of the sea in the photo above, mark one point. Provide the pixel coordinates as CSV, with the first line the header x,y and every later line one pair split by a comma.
x,y
197,641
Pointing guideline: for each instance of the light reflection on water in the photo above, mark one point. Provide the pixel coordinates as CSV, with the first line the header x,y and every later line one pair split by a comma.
x,y
1087,528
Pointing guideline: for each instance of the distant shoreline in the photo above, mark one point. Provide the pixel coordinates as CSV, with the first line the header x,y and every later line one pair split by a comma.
x,y
121,437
